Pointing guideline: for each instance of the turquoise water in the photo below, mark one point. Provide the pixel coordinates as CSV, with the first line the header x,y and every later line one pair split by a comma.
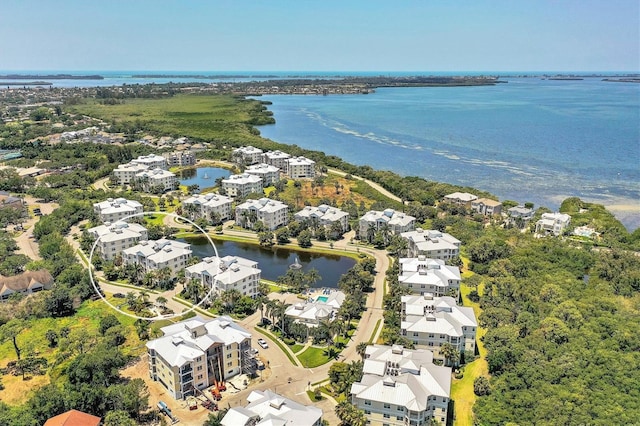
x,y
526,140
322,299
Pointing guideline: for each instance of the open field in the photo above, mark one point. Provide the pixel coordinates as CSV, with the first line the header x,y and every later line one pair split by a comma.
x,y
210,117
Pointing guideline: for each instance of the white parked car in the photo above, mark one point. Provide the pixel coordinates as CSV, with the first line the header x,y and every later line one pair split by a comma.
x,y
263,343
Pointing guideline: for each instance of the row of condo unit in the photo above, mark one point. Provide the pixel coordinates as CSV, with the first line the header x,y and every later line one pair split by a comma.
x,y
398,386
549,223
294,167
151,171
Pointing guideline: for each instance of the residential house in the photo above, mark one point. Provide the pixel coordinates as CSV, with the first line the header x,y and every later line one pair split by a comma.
x,y
269,174
486,206
300,167
157,178
276,158
179,158
311,313
7,200
553,223
402,387
267,408
247,154
461,198
242,185
430,322
151,161
227,273
521,212
422,275
73,418
211,206
273,214
194,353
159,254
432,244
26,283
113,239
394,221
114,210
326,216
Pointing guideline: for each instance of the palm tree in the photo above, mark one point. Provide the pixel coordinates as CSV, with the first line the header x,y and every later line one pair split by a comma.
x,y
361,349
450,354
162,302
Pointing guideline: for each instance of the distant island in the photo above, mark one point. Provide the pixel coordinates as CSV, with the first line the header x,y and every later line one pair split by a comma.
x,y
50,77
25,83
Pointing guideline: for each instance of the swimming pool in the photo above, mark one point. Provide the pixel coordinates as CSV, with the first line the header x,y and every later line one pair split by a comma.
x,y
322,299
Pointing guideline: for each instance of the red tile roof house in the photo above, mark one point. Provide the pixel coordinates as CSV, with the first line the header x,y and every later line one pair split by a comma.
x,y
26,283
73,418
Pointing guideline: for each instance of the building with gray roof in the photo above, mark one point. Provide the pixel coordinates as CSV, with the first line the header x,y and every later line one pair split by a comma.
x,y
267,408
431,243
422,275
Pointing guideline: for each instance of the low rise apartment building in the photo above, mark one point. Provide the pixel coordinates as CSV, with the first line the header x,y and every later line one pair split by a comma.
x,y
114,238
430,322
276,158
247,155
300,167
267,408
125,173
160,179
486,206
324,215
227,273
242,185
402,387
432,244
211,207
273,214
179,158
553,223
269,174
113,210
151,161
422,275
394,221
154,255
195,353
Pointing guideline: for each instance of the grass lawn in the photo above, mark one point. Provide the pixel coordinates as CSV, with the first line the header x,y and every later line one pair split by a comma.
x,y
313,357
462,389
296,348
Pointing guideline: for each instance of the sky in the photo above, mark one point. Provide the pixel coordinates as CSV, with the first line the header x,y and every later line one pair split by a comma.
x,y
320,35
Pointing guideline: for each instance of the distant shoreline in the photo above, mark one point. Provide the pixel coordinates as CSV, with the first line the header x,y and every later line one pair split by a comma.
x,y
50,77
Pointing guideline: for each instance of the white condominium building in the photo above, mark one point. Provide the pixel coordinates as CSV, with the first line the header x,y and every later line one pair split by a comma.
x,y
207,206
151,161
276,158
194,353
324,215
269,174
157,178
114,238
155,255
300,167
114,210
267,408
432,244
273,214
242,185
180,158
553,223
125,173
430,322
422,275
395,221
248,154
227,273
402,387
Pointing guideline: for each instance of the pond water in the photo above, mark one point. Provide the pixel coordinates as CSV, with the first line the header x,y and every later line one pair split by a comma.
x,y
204,177
275,261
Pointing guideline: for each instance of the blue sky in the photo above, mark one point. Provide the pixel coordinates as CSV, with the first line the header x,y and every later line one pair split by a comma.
x,y
321,35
